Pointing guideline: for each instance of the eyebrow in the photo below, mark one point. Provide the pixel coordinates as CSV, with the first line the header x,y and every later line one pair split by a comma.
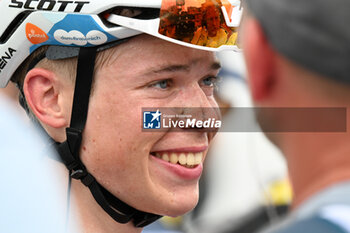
x,y
172,68
216,66
177,68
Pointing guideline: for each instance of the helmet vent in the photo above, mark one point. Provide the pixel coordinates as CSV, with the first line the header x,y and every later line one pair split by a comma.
x,y
18,20
130,12
136,12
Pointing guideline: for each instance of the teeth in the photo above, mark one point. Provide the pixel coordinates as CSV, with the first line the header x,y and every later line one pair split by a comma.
x,y
173,158
185,159
198,158
182,159
165,157
190,159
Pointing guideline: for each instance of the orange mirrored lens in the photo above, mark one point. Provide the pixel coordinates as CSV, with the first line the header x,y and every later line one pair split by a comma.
x,y
199,22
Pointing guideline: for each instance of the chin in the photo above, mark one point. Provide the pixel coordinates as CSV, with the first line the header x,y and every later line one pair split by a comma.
x,y
181,203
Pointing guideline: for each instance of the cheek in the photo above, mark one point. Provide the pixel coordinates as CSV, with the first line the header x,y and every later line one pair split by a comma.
x,y
115,148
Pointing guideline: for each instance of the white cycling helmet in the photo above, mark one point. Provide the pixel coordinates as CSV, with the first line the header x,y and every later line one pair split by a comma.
x,y
29,24
80,28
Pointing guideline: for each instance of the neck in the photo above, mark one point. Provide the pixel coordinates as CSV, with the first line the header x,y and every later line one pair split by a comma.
x,y
317,161
91,217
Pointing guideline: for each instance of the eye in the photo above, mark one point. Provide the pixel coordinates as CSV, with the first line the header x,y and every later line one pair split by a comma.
x,y
210,81
209,84
162,84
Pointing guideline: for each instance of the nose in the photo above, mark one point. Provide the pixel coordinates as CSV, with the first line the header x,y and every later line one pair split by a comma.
x,y
196,104
194,97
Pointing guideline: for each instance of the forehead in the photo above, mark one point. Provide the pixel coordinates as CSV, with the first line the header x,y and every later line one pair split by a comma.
x,y
145,51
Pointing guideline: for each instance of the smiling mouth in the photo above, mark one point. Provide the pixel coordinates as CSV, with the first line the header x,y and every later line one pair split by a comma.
x,y
185,159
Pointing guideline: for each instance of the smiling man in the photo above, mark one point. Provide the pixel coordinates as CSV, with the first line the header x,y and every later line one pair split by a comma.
x,y
185,80
84,75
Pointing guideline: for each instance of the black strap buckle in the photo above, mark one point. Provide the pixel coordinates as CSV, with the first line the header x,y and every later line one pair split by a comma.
x,y
143,219
79,174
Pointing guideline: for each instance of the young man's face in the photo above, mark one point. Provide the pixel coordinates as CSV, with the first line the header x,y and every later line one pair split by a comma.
x,y
147,72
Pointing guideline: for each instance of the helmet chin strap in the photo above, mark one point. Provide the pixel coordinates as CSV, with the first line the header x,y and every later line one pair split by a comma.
x,y
69,150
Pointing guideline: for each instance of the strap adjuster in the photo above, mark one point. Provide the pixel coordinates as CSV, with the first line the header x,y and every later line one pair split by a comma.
x,y
144,219
78,174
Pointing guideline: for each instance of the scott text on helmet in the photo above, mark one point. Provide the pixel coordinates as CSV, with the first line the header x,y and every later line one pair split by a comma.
x,y
47,5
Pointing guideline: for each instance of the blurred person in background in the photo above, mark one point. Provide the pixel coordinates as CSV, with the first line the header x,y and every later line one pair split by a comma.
x,y
33,196
298,56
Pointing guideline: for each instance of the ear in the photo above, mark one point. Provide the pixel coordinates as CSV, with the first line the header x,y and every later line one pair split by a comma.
x,y
42,90
259,57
